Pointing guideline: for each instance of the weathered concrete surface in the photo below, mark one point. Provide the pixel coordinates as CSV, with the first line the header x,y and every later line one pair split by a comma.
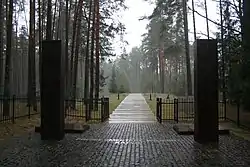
x,y
133,109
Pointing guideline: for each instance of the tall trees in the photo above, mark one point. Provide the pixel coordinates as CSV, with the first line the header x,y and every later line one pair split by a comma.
x,y
91,95
194,22
31,59
1,44
113,85
166,22
20,46
86,81
97,52
189,80
49,20
9,27
206,11
77,47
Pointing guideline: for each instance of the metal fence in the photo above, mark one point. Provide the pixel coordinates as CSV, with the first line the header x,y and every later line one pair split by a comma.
x,y
236,113
181,109
87,111
77,110
13,108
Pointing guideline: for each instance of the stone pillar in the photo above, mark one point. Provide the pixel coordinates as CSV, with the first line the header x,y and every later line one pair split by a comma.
x,y
52,91
206,91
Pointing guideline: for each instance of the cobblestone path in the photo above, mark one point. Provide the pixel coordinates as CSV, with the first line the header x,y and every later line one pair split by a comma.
x,y
124,144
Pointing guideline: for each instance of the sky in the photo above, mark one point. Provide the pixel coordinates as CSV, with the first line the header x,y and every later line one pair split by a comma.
x,y
135,28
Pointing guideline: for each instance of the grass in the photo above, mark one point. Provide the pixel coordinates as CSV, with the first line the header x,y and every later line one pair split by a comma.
x,y
168,109
114,102
24,125
21,126
96,114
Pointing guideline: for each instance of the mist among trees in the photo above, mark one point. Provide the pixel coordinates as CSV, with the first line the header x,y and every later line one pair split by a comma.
x,y
163,62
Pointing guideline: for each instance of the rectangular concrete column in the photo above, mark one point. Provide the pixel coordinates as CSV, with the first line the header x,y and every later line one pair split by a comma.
x,y
52,91
206,91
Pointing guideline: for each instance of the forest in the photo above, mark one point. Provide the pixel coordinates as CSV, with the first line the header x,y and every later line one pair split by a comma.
x,y
163,62
85,28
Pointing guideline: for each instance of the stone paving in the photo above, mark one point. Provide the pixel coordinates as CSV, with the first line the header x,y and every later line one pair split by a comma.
x,y
125,145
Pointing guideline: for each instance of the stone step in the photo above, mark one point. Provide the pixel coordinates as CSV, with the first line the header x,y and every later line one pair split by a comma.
x,y
129,117
132,113
132,118
129,121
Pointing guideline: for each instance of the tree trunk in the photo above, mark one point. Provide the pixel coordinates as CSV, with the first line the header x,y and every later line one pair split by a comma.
x,y
77,46
1,45
16,62
194,24
31,63
189,81
54,19
67,54
86,82
8,59
222,53
40,34
33,58
92,59
49,21
97,52
72,56
59,27
205,3
162,67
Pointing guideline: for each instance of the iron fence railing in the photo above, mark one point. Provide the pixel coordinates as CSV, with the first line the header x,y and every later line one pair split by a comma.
x,y
181,109
12,108
76,110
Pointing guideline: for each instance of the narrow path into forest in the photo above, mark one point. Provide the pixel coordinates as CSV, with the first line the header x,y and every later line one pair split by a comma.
x,y
133,109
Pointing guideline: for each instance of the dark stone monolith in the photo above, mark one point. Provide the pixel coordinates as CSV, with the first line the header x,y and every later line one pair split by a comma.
x,y
52,91
206,91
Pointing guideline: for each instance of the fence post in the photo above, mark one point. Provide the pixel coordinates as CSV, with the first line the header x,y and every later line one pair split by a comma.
x,y
102,109
157,109
150,97
107,107
29,111
238,113
160,109
86,110
176,115
225,109
13,109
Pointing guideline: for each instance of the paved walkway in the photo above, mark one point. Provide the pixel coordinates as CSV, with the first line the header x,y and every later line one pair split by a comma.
x,y
133,109
124,145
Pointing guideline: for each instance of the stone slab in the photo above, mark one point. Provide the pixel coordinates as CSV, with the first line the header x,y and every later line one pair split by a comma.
x,y
70,128
189,130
